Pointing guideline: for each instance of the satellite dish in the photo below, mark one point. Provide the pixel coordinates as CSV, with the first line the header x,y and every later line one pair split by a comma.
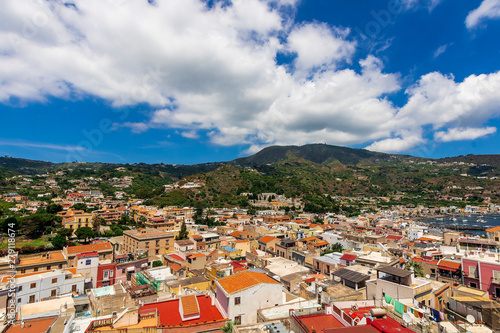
x,y
427,276
407,318
471,319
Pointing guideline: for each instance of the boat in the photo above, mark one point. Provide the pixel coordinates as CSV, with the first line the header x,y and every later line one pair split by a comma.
x,y
464,220
454,219
481,221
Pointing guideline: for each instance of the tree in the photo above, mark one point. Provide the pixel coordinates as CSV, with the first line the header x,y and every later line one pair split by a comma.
x,y
157,263
85,233
337,247
229,326
59,241
54,208
64,232
198,213
80,206
183,233
415,267
108,233
35,225
10,223
96,224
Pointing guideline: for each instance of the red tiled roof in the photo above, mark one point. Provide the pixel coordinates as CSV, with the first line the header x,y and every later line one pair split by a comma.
x,y
169,312
175,267
267,239
35,326
493,229
449,264
243,280
349,257
176,257
90,247
389,325
394,237
320,322
432,262
87,254
189,305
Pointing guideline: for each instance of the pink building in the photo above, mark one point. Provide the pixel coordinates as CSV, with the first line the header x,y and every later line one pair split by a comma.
x,y
482,271
126,266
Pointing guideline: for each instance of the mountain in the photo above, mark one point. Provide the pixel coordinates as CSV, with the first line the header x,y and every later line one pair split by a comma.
x,y
317,153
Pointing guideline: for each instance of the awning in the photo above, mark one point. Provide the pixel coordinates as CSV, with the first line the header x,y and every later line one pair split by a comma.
x,y
131,269
448,269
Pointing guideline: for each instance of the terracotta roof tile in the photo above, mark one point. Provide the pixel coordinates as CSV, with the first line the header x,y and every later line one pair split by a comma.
x,y
243,280
267,239
189,305
90,247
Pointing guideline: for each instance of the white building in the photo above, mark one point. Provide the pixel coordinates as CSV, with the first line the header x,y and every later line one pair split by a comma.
x,y
416,231
87,265
239,296
38,287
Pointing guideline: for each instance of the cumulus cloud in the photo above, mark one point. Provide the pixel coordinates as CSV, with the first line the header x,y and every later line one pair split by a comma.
x,y
213,69
397,144
319,45
489,9
456,134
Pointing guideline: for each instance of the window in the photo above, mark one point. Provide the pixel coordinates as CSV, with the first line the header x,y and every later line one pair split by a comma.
x,y
20,288
53,292
60,266
18,300
237,300
87,262
32,299
472,271
123,270
54,280
106,275
473,285
35,269
73,288
23,271
33,285
496,276
237,319
49,267
111,273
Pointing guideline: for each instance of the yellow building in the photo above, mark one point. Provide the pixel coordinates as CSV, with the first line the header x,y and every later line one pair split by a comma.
x,y
74,219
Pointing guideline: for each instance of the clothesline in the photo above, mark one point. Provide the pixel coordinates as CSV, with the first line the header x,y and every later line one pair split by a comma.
x,y
401,308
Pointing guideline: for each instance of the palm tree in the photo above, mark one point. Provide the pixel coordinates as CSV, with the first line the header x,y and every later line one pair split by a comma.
x,y
417,268
229,326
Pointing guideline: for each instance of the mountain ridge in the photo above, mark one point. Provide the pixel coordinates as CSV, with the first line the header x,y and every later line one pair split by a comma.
x,y
317,153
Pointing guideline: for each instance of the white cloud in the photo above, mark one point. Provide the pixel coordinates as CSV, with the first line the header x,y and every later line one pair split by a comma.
x,y
489,9
457,134
440,50
429,4
25,144
214,70
319,45
397,144
190,134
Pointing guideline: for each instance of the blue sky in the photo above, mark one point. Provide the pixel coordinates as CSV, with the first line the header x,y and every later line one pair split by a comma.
x,y
190,81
